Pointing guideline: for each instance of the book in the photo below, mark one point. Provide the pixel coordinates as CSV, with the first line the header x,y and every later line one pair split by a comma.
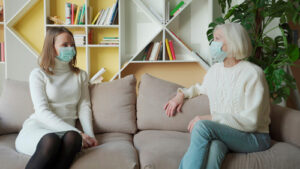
x,y
109,14
172,49
110,37
68,13
157,53
81,21
154,51
149,51
100,17
73,13
76,17
2,52
99,73
145,52
168,49
104,17
114,13
89,14
176,8
160,52
96,17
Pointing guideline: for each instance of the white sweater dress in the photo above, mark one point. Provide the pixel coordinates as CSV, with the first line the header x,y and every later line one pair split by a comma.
x,y
58,101
238,96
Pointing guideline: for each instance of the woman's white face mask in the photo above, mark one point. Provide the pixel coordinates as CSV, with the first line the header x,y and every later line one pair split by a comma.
x,y
217,48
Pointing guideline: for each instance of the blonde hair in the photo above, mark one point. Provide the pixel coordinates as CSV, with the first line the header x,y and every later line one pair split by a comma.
x,y
47,58
237,39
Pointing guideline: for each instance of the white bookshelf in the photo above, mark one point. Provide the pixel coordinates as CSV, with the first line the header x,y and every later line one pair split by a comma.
x,y
137,27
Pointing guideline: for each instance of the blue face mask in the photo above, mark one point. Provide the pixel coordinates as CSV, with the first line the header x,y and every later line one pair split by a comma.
x,y
66,54
216,52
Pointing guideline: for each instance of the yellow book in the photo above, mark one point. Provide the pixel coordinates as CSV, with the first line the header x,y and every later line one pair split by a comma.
x,y
168,49
77,13
96,17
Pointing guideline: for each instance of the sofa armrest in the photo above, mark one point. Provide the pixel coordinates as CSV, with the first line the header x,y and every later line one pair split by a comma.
x,y
285,125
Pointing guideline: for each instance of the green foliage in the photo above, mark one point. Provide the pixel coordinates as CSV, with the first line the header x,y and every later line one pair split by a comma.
x,y
273,55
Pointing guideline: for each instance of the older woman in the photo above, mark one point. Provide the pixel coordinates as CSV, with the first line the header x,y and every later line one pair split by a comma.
x,y
239,103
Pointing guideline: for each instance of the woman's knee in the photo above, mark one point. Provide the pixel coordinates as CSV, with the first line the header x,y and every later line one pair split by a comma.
x,y
217,147
49,144
72,138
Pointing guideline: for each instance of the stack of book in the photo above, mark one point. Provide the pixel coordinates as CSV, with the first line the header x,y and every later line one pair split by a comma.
x,y
80,39
106,16
76,15
2,56
153,51
110,41
170,49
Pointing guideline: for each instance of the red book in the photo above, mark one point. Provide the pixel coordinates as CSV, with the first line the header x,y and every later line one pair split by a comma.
x,y
2,52
72,14
172,49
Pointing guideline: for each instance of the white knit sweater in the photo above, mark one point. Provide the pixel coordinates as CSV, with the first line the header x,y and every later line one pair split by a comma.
x,y
61,98
238,96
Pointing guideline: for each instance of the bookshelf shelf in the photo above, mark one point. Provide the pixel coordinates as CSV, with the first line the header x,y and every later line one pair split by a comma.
x,y
103,26
103,46
67,26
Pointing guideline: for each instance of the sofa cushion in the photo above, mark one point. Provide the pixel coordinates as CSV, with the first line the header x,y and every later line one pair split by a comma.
x,y
15,106
115,151
161,149
154,93
113,105
165,149
9,158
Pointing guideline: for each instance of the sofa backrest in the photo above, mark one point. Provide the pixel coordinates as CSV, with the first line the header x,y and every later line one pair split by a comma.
x,y
113,105
15,106
153,94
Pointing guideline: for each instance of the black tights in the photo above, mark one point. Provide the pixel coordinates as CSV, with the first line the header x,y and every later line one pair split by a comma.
x,y
55,153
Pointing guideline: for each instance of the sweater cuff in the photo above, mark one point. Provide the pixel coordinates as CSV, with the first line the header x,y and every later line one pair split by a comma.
x,y
183,91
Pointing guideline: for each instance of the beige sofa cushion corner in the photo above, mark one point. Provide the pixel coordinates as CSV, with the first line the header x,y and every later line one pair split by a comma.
x,y
113,105
154,93
15,106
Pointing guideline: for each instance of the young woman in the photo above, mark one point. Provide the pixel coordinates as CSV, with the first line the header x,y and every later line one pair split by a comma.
x,y
60,95
239,103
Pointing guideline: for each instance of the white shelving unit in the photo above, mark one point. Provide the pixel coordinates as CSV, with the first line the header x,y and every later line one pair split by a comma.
x,y
137,27
140,26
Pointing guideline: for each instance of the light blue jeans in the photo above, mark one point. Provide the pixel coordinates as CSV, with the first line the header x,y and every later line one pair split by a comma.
x,y
210,141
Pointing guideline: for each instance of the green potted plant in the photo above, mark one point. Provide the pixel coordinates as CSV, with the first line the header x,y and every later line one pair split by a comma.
x,y
272,54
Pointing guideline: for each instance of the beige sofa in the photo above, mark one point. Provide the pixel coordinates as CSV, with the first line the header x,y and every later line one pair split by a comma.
x,y
134,132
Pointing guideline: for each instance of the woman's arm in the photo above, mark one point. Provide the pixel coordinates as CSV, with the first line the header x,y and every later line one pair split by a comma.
x,y
84,106
40,101
193,91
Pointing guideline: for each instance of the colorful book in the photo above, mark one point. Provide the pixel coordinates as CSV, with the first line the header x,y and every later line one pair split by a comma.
x,y
176,8
172,49
73,13
168,50
100,17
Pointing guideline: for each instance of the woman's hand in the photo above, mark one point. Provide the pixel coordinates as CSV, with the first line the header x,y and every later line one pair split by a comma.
x,y
174,104
88,141
195,119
